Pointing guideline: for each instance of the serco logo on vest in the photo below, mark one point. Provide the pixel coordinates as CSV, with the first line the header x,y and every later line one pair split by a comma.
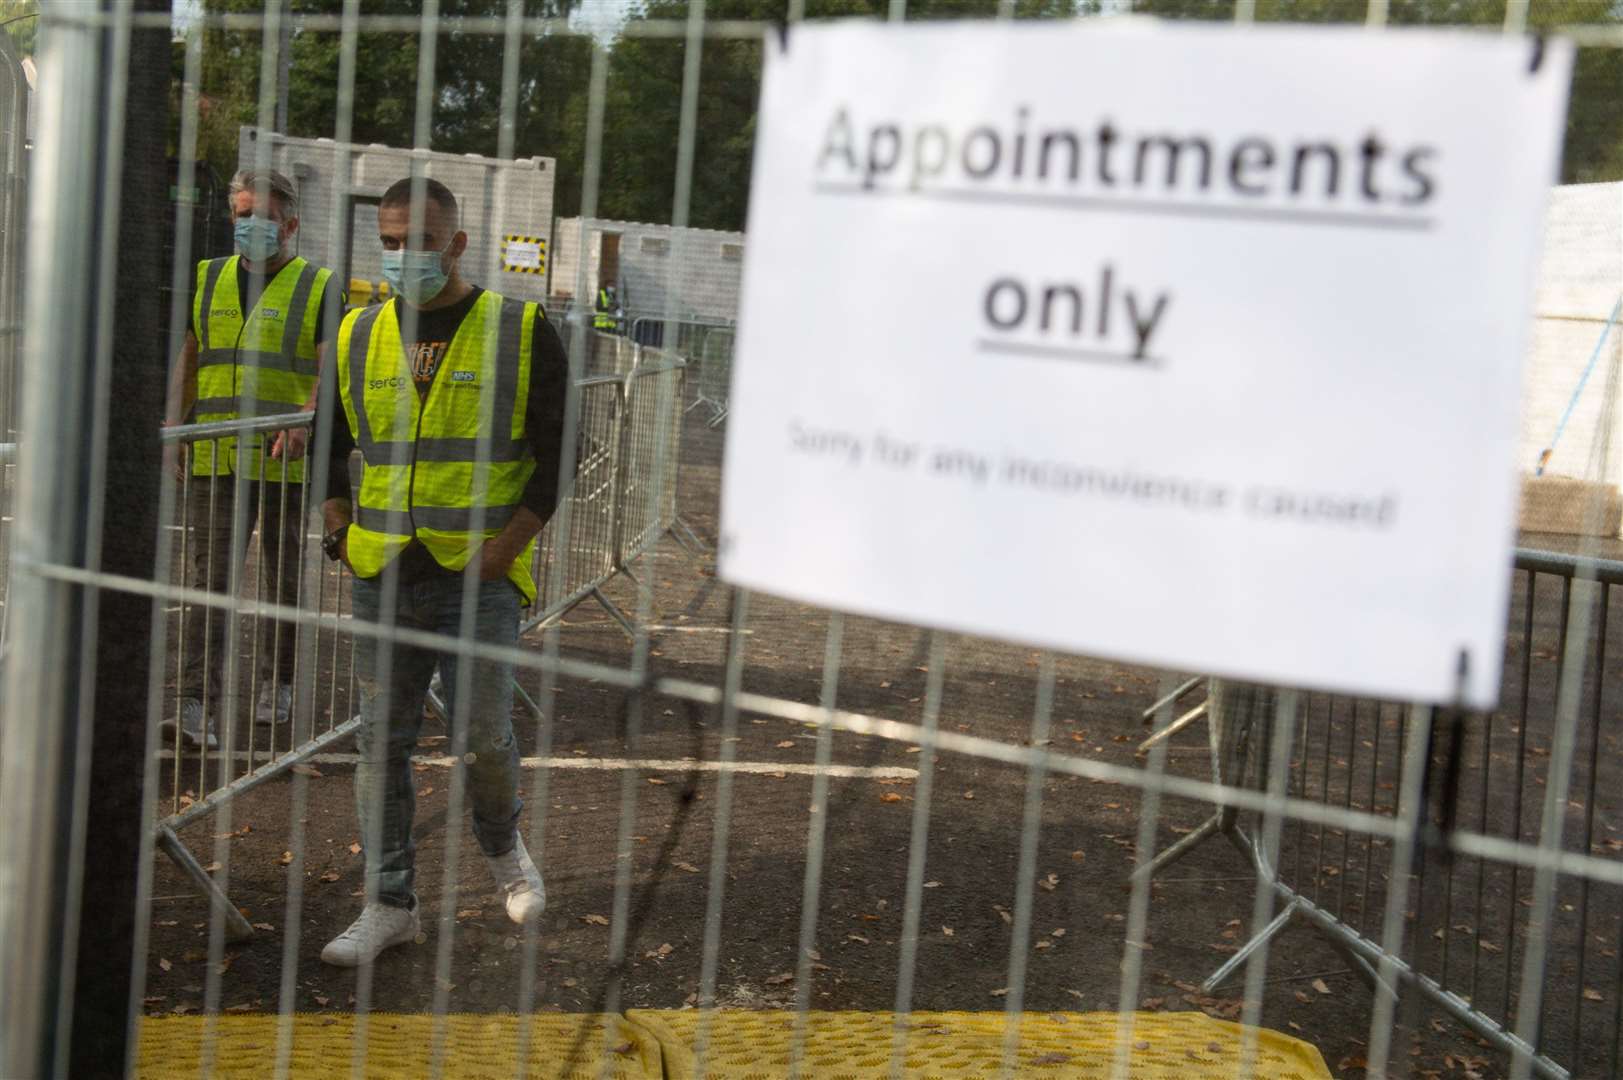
x,y
223,313
394,382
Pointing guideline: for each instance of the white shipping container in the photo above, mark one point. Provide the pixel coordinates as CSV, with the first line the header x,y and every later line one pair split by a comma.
x,y
506,206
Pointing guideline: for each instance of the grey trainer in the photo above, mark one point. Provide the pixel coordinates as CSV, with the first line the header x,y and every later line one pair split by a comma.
x,y
275,704
520,883
380,926
194,724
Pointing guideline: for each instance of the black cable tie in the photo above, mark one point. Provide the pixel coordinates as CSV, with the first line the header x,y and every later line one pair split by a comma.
x,y
782,27
1537,59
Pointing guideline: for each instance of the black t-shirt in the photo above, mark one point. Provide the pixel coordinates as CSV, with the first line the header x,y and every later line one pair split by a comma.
x,y
543,412
429,339
250,287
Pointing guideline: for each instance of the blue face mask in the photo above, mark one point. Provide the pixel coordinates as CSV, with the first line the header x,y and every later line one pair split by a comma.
x,y
416,275
258,239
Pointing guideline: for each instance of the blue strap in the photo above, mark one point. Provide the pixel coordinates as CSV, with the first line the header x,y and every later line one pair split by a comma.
x,y
1543,459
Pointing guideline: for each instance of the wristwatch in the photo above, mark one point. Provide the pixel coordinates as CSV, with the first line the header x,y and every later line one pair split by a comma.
x,y
333,541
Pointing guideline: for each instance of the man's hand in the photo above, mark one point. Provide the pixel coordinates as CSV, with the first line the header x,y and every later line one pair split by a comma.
x,y
290,444
495,560
174,458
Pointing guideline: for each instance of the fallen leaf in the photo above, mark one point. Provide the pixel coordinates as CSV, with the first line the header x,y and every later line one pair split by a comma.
x,y
355,848
427,791
286,858
946,931
656,780
211,867
1057,932
687,867
1044,944
265,926
1049,883
1321,986
780,978
306,770
1002,914
166,965
1000,991
970,794
890,796
932,884
857,938
1593,995
1078,856
469,913
786,744
594,920
1304,997
1352,1063
330,875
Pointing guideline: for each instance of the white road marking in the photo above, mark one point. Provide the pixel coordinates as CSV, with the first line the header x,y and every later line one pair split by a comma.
x,y
766,768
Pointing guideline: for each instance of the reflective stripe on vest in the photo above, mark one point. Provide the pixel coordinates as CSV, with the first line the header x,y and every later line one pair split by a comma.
x,y
449,470
260,365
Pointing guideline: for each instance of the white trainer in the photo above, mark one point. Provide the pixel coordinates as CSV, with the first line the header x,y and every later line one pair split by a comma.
x,y
194,725
275,704
519,880
379,927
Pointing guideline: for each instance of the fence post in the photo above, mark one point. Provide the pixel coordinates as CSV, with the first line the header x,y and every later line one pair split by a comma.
x,y
76,670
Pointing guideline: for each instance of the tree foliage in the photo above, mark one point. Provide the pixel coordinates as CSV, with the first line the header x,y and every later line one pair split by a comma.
x,y
1594,137
643,87
21,20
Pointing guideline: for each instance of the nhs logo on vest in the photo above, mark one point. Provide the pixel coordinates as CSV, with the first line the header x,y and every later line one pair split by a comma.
x,y
464,377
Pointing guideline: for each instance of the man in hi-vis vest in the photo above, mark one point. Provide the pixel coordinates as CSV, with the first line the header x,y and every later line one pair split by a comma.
x,y
260,320
455,397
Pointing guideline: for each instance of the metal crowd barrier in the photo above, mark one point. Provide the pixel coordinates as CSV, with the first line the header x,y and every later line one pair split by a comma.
x,y
629,444
715,362
198,780
1530,774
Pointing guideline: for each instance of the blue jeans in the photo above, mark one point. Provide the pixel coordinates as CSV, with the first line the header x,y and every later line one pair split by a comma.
x,y
393,681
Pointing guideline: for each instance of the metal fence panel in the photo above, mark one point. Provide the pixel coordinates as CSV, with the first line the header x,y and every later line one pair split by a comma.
x,y
952,820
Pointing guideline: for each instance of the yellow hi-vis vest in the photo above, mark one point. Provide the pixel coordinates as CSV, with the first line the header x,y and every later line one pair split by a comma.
x,y
449,469
260,365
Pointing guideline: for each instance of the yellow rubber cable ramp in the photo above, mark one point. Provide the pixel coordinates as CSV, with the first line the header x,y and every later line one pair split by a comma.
x,y
951,1045
398,1047
650,1044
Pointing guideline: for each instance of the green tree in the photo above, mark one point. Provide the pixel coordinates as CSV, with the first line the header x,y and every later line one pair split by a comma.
x,y
642,117
21,20
1594,138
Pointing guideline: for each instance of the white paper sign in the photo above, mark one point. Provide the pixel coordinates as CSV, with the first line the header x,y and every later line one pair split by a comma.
x,y
1191,346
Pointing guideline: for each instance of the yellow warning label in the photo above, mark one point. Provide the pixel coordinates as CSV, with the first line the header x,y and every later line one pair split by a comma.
x,y
524,254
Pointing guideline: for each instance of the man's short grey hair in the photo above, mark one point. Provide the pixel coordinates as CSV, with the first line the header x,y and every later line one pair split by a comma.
x,y
270,180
